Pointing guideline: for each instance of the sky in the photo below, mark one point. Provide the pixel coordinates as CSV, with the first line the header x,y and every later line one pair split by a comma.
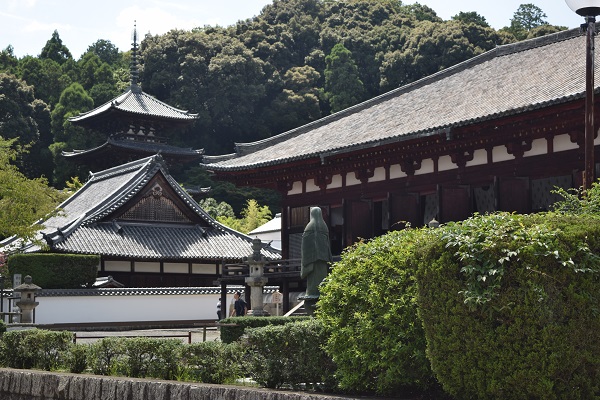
x,y
28,24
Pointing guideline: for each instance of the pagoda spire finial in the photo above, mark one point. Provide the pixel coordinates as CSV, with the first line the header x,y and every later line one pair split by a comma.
x,y
133,69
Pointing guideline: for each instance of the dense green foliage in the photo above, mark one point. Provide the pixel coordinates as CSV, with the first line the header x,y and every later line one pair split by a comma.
x,y
291,354
233,328
22,200
369,305
257,78
510,306
273,355
34,348
56,271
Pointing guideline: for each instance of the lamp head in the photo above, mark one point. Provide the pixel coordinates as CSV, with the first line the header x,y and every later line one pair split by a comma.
x,y
585,8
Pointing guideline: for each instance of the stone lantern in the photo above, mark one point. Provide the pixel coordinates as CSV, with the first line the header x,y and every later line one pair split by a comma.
x,y
256,280
27,302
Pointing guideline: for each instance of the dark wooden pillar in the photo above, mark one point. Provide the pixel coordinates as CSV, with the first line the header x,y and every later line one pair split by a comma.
x,y
285,289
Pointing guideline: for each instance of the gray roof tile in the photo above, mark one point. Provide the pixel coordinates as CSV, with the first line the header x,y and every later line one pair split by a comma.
x,y
135,101
507,80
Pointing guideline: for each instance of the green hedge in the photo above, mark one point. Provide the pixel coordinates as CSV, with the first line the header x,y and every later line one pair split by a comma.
x,y
369,305
230,334
56,271
34,348
511,306
290,355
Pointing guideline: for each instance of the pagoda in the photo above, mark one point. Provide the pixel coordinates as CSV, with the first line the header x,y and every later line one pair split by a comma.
x,y
135,123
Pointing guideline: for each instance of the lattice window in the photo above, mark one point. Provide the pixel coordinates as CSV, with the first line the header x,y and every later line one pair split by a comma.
x,y
485,199
431,207
542,197
299,216
155,207
295,245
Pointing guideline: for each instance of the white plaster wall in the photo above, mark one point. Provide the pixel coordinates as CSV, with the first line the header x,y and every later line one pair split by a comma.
x,y
73,309
336,182
131,308
500,153
378,175
351,179
479,158
204,269
563,143
538,147
396,172
174,268
296,188
121,266
311,186
426,167
445,163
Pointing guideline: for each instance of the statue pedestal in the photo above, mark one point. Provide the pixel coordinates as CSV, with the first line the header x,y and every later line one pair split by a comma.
x,y
310,303
258,313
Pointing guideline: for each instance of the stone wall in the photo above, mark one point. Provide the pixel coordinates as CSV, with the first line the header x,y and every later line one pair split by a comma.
x,y
18,384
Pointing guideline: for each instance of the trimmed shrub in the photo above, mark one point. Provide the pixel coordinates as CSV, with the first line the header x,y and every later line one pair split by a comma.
x,y
149,357
368,303
56,271
230,334
34,348
213,362
76,358
511,304
290,354
107,356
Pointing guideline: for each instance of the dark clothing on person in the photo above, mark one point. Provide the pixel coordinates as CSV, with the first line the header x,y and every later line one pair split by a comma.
x,y
240,307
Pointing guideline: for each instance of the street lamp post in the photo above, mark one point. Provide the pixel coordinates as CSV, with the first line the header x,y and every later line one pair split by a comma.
x,y
588,9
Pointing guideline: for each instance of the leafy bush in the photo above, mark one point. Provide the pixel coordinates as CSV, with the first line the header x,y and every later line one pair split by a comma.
x,y
290,354
107,355
149,357
230,334
56,271
368,303
76,358
34,348
213,362
511,304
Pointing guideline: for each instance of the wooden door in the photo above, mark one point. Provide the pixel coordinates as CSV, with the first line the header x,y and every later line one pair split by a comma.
x,y
513,195
455,203
404,208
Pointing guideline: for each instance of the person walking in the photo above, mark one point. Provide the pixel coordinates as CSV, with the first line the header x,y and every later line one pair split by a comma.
x,y
219,310
239,307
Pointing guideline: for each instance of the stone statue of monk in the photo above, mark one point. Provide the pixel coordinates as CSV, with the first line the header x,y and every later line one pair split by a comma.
x,y
316,252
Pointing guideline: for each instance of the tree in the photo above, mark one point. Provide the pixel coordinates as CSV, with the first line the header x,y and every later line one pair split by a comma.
x,y
343,87
23,201
73,101
527,17
55,49
471,17
106,51
216,209
46,76
299,100
253,216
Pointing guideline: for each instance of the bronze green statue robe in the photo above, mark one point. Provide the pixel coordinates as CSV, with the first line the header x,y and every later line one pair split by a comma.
x,y
316,252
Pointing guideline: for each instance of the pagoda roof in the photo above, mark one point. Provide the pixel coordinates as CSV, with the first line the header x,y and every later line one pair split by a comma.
x,y
143,148
506,81
94,220
134,103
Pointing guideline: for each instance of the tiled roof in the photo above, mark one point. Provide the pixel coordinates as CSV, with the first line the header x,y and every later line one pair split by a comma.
x,y
145,291
148,148
80,227
507,80
135,101
159,241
